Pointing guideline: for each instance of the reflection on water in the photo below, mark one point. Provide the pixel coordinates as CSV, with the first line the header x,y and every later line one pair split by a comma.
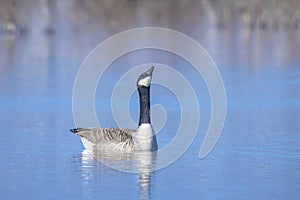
x,y
137,162
88,164
145,160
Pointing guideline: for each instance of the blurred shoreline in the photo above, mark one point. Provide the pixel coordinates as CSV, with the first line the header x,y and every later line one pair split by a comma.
x,y
256,33
52,17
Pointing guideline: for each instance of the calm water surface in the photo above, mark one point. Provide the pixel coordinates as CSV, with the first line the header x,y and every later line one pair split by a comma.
x,y
256,157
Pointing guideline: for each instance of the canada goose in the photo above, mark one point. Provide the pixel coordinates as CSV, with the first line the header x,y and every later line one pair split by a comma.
x,y
120,139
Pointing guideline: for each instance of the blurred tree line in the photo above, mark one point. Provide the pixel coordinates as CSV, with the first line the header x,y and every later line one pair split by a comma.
x,y
48,16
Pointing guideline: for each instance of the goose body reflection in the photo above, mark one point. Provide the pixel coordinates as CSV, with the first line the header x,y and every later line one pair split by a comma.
x,y
139,162
122,139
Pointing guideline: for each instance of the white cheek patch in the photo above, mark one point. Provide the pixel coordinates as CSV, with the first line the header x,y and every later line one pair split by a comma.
x,y
145,81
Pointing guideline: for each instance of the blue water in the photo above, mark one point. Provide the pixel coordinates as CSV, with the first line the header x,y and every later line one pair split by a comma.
x,y
256,157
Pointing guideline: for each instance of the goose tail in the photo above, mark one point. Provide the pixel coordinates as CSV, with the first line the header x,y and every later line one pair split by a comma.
x,y
77,130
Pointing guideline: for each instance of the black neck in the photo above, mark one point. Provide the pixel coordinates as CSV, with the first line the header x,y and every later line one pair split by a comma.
x,y
144,93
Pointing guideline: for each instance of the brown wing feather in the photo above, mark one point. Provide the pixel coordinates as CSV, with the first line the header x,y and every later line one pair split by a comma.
x,y
97,135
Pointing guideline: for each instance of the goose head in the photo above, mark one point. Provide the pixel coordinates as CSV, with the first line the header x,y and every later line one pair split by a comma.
x,y
145,78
